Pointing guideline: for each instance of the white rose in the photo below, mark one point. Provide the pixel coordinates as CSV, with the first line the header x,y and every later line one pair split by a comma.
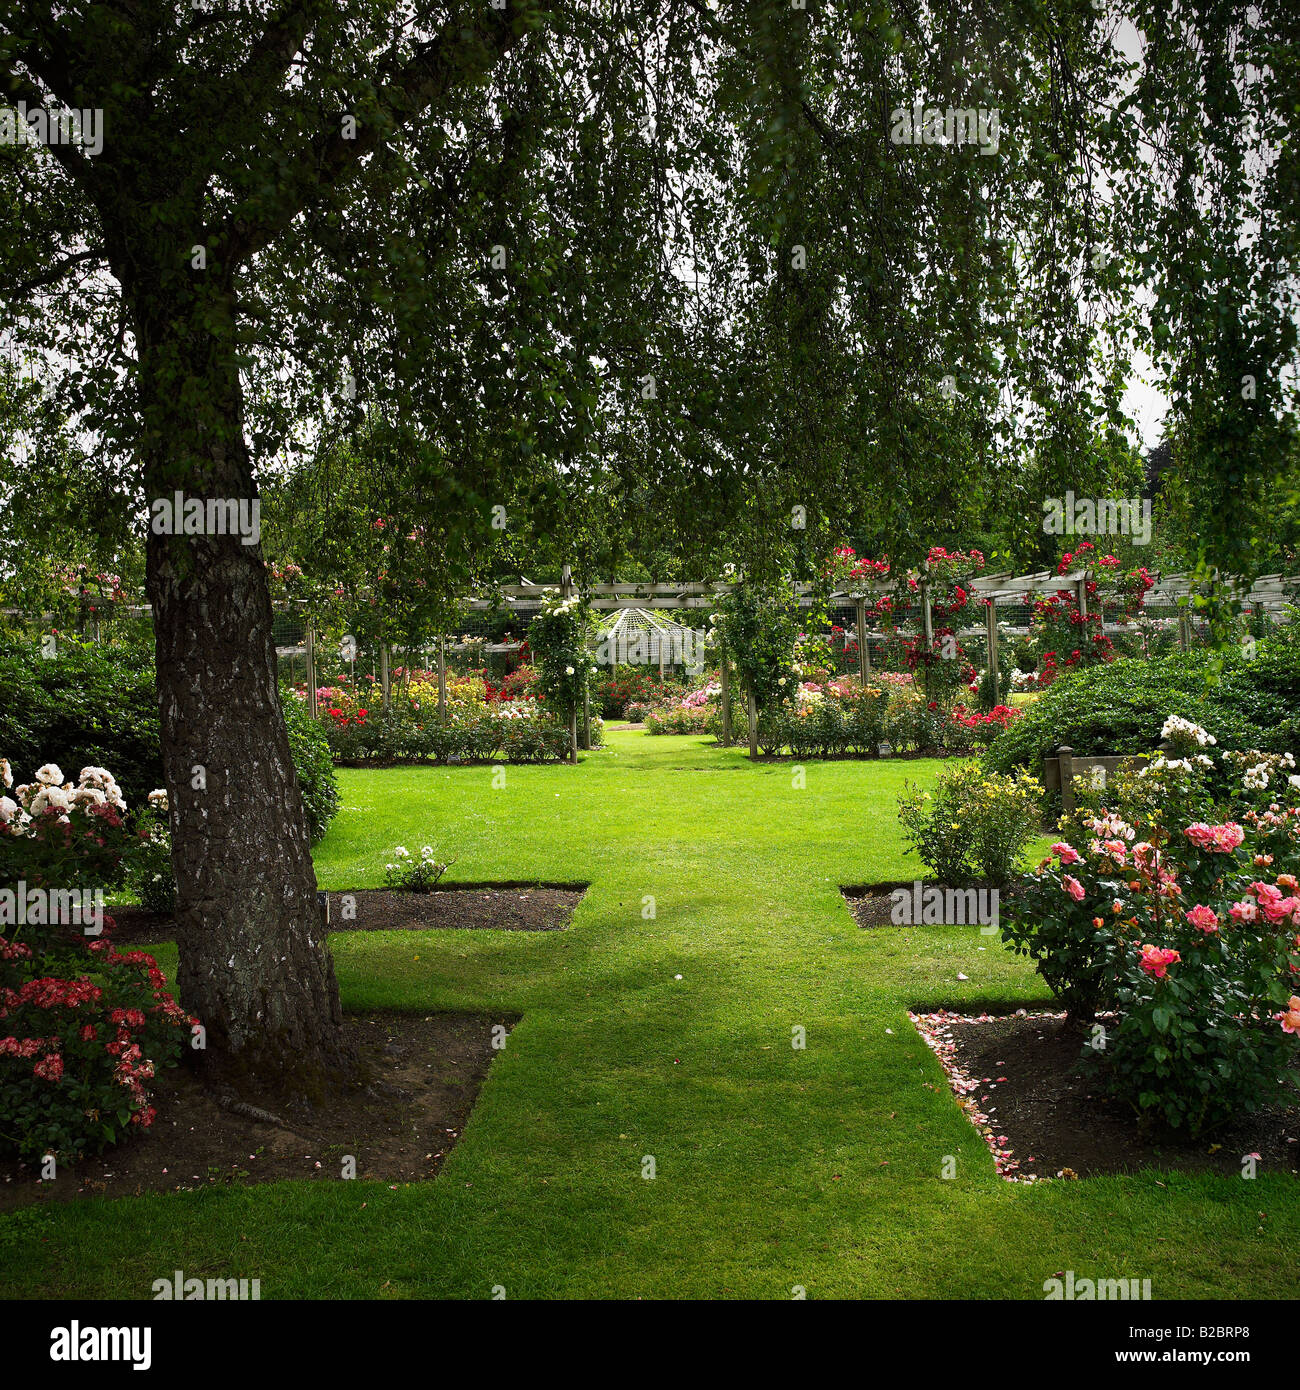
x,y
568,670
6,773
49,775
9,808
402,852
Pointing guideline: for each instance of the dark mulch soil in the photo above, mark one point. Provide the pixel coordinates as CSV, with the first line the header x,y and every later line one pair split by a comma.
x,y
872,904
498,907
1032,1094
424,1074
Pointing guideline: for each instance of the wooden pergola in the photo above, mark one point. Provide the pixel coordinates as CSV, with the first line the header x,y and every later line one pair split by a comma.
x,y
1265,596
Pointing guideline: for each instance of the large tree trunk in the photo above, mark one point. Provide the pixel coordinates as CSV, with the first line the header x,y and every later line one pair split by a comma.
x,y
254,963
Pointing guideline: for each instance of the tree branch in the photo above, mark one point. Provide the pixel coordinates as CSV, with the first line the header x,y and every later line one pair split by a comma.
x,y
271,55
459,53
57,271
18,88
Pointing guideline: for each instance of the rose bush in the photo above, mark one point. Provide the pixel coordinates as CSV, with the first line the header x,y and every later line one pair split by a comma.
x,y
411,875
83,1026
150,873
57,834
1182,924
558,636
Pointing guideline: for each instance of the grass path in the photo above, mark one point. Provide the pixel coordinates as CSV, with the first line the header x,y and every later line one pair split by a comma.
x,y
775,1167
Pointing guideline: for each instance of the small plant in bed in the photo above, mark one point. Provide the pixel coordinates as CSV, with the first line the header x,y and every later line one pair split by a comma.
x,y
974,826
412,875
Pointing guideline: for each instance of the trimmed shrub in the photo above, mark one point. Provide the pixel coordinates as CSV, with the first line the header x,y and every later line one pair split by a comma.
x,y
1120,707
88,706
315,766
93,706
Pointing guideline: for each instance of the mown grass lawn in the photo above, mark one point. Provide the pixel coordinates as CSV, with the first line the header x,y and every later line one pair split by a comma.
x,y
776,1167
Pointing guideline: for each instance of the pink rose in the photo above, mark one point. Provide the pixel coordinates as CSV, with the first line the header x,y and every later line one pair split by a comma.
x,y
1065,853
1156,961
1216,839
1072,886
1203,918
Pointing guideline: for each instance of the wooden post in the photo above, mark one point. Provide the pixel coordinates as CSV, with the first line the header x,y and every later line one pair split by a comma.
x,y
927,618
752,710
991,626
586,720
309,642
384,682
725,673
442,676
1184,629
1065,757
864,661
1082,587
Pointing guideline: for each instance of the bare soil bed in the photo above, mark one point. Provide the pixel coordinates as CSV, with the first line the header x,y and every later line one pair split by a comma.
x,y
478,907
872,903
1017,1078
422,1077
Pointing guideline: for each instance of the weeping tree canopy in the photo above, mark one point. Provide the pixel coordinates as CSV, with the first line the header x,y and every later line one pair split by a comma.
x,y
646,271
719,282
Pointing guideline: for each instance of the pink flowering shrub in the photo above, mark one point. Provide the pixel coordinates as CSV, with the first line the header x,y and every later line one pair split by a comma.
x,y
1188,944
83,1028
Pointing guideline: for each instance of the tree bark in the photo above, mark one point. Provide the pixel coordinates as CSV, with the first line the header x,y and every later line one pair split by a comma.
x,y
254,963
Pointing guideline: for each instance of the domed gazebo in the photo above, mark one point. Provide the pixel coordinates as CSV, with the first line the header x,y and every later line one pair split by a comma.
x,y
643,637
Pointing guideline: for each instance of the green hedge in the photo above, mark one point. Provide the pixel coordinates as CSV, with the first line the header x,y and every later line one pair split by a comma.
x,y
97,706
1120,707
315,765
88,706
398,737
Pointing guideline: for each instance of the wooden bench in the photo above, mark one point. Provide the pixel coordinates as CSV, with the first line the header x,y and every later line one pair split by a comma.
x,y
1062,769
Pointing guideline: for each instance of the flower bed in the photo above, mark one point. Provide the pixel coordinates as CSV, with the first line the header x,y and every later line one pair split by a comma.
x,y
695,712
